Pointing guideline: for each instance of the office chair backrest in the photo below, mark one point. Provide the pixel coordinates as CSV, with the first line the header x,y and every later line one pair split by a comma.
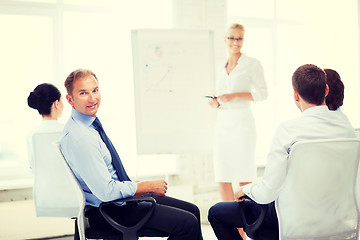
x,y
56,191
318,197
357,132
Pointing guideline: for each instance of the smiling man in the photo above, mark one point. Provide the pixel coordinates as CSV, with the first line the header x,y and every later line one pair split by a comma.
x,y
85,98
100,173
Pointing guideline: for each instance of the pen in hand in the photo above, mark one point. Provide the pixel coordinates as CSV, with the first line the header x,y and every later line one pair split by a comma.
x,y
214,100
211,97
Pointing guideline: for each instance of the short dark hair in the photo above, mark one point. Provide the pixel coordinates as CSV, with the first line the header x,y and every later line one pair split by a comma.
x,y
79,73
42,98
335,97
310,82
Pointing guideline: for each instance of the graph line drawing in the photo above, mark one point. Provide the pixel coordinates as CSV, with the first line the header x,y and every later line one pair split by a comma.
x,y
164,80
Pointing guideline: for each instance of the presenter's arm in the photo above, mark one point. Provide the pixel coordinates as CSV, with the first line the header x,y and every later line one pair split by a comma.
x,y
260,86
157,187
246,96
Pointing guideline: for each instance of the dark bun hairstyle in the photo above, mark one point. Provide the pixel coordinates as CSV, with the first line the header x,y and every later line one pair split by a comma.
x,y
335,97
43,97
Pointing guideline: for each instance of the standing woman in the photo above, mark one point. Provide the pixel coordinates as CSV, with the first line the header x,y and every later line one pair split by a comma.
x,y
240,81
45,98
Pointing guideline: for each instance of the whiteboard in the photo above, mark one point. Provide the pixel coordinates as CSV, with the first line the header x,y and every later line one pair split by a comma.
x,y
173,71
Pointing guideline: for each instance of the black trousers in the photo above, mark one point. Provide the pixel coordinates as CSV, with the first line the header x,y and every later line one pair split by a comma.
x,y
224,218
172,217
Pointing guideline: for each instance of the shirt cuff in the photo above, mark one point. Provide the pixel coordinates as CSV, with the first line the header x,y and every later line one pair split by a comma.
x,y
247,190
132,188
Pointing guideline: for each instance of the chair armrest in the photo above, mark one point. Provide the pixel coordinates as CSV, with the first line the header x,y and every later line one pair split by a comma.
x,y
250,229
137,226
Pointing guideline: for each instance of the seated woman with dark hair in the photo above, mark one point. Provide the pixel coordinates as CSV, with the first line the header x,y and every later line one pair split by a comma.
x,y
334,99
336,90
46,99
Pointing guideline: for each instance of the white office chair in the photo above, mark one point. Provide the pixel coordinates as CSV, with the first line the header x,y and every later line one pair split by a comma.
x,y
318,198
57,193
54,184
357,132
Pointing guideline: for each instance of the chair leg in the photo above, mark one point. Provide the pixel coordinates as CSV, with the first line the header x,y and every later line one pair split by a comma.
x,y
76,234
130,235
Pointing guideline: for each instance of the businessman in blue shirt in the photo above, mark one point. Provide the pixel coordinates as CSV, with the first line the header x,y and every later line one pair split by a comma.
x,y
102,176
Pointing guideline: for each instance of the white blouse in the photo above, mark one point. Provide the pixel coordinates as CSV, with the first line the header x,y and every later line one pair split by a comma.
x,y
45,126
247,76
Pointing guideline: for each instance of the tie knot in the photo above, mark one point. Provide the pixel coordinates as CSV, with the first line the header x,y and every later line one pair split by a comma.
x,y
97,124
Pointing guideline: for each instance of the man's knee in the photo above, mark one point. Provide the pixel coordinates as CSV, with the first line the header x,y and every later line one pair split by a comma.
x,y
190,224
195,211
213,212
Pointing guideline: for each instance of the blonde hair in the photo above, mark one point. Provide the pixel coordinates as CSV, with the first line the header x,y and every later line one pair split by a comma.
x,y
237,26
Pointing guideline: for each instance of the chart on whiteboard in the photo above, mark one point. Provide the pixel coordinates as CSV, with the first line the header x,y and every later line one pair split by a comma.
x,y
166,64
173,72
157,72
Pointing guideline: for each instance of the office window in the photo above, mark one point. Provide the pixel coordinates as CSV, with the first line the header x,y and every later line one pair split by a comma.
x,y
26,59
254,8
45,42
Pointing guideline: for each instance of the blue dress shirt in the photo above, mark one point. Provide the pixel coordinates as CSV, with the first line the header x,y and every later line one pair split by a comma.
x,y
90,160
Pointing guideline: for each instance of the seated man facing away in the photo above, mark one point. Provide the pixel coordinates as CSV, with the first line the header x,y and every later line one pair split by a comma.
x,y
316,122
100,173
